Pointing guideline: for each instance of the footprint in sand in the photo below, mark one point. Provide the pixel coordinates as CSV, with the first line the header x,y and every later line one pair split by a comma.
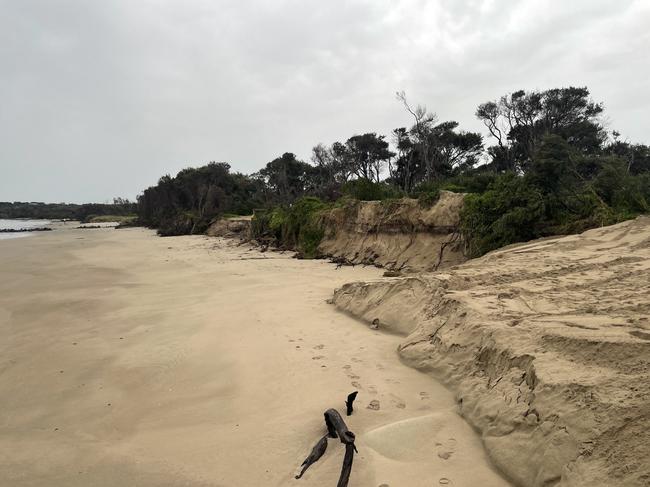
x,y
347,367
397,401
319,347
353,376
318,357
374,405
372,389
424,396
446,449
356,360
356,384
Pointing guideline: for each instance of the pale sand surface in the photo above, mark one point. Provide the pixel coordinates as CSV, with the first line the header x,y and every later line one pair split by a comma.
x,y
128,359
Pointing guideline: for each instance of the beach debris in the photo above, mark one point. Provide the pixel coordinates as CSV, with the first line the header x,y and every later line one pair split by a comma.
x,y
349,401
392,273
375,324
337,427
314,455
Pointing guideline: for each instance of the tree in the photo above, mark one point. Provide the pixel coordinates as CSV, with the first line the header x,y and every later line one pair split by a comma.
x,y
519,121
448,151
420,130
367,154
287,177
636,155
332,163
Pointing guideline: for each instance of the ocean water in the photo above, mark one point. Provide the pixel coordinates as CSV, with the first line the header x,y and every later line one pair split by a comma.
x,y
18,225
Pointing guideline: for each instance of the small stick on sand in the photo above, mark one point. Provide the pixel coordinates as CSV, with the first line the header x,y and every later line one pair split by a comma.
x,y
314,456
348,403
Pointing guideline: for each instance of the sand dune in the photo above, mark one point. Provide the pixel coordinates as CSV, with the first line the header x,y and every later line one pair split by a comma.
x,y
129,359
547,345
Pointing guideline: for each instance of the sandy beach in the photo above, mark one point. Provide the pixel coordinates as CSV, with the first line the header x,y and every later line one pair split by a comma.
x,y
129,359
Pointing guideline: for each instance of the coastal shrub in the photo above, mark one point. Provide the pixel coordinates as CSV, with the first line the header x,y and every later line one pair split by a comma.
x,y
180,224
110,218
303,226
510,211
562,192
427,193
366,190
294,227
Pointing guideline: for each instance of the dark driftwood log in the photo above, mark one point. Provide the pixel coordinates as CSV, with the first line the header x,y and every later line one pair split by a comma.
x,y
314,456
337,427
348,404
346,469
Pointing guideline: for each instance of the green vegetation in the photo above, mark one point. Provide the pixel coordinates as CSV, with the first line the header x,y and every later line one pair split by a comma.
x,y
367,190
111,218
189,202
552,169
120,208
294,227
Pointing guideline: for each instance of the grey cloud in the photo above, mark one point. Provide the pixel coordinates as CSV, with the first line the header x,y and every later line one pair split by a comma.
x,y
99,99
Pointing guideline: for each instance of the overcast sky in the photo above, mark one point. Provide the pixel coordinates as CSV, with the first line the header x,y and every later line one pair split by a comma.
x,y
100,98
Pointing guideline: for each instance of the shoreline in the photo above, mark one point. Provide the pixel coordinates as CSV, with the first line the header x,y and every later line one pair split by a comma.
x,y
159,360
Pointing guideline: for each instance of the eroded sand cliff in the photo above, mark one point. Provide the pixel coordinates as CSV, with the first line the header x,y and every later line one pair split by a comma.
x,y
547,346
401,234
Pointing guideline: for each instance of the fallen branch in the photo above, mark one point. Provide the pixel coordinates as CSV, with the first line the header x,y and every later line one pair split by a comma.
x,y
336,427
314,456
346,469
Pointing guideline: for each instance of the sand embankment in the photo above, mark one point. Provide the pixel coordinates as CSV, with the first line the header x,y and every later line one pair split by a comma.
x,y
238,227
547,345
129,359
397,234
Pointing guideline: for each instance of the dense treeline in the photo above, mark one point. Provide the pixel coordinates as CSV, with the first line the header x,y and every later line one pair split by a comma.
x,y
548,166
188,202
70,211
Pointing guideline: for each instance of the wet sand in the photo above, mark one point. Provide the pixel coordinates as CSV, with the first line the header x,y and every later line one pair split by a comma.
x,y
128,359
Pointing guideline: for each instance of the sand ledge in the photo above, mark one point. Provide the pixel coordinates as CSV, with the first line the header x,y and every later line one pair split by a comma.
x,y
546,345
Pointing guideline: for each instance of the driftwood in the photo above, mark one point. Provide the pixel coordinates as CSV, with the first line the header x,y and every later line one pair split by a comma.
x,y
346,469
350,400
314,456
336,428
